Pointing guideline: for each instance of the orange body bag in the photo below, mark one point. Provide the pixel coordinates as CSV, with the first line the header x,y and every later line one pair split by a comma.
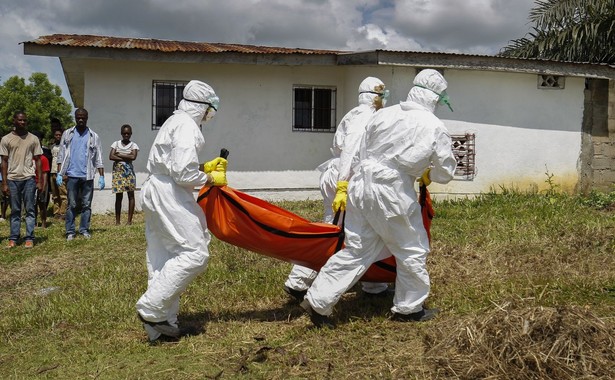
x,y
258,226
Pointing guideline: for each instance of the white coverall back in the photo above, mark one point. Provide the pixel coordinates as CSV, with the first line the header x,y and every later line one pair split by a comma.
x,y
400,143
175,225
345,146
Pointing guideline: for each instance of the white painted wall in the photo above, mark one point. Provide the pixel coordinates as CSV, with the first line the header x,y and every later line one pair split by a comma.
x,y
254,121
522,132
255,117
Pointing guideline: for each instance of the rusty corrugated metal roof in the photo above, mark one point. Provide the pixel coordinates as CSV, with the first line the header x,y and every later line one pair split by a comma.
x,y
79,40
168,46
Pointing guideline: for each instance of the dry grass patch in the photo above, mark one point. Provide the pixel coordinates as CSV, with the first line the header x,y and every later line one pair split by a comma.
x,y
16,279
517,342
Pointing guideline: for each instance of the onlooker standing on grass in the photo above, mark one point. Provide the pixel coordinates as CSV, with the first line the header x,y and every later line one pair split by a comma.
x,y
123,153
79,158
21,152
42,196
58,193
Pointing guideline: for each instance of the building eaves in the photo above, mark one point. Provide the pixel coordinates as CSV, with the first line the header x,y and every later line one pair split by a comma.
x,y
167,46
460,61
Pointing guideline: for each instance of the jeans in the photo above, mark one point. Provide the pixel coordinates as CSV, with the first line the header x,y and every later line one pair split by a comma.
x,y
23,192
80,191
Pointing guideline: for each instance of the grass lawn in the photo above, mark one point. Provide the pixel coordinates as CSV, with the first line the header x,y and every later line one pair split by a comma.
x,y
525,282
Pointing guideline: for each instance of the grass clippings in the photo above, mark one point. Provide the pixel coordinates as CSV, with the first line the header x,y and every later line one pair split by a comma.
x,y
516,342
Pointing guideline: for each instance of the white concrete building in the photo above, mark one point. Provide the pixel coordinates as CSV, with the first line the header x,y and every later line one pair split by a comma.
x,y
517,122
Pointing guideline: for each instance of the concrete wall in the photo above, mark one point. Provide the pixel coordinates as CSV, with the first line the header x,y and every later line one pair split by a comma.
x,y
602,98
522,133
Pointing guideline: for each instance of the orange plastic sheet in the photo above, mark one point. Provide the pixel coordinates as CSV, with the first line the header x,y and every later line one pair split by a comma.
x,y
258,226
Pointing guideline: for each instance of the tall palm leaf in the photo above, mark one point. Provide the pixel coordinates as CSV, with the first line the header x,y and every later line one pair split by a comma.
x,y
568,30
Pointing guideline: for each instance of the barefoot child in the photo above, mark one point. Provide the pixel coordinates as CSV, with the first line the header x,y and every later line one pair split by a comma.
x,y
58,193
42,196
123,153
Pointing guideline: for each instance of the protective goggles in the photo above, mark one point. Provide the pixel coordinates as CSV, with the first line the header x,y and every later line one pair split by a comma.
x,y
384,95
213,104
442,97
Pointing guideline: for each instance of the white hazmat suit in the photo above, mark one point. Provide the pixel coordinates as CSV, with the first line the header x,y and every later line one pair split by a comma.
x,y
175,225
400,143
345,145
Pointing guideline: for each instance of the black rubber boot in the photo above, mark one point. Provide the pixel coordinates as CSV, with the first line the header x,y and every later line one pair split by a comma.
x,y
298,295
419,316
163,328
319,320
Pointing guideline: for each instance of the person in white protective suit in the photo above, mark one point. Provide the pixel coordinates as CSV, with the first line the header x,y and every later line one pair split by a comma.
x,y
401,144
175,225
372,97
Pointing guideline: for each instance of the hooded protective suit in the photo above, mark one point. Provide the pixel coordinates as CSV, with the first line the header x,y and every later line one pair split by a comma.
x,y
345,146
175,226
400,143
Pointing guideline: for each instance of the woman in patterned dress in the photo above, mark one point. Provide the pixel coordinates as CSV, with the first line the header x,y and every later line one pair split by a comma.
x,y
123,153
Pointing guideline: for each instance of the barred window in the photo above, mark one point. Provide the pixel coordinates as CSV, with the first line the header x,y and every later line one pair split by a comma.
x,y
464,150
314,108
165,99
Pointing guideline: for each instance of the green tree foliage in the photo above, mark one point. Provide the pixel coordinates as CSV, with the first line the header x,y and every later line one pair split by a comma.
x,y
569,30
40,99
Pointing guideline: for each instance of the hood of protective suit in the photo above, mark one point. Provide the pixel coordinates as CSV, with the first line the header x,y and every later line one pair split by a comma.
x,y
434,84
199,92
370,84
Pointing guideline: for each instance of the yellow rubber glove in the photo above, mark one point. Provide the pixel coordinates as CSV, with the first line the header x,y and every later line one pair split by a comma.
x,y
341,196
218,178
425,180
218,164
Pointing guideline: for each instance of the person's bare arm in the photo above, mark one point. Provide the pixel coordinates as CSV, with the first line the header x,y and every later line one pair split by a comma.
x,y
114,156
45,181
132,155
39,173
5,183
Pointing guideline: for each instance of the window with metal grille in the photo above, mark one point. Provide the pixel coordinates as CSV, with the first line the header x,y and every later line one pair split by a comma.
x,y
165,99
464,150
555,82
314,108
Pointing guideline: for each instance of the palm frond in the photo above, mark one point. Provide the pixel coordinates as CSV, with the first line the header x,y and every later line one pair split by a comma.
x,y
568,30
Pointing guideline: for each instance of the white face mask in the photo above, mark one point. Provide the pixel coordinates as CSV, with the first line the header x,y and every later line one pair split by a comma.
x,y
209,114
